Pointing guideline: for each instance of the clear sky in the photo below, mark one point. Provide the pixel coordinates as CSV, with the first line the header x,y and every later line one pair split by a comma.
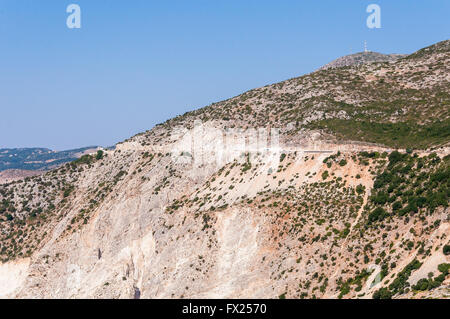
x,y
136,63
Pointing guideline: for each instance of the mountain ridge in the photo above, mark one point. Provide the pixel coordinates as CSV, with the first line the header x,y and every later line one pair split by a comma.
x,y
384,94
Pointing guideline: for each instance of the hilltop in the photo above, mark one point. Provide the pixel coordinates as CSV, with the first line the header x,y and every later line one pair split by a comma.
x,y
400,105
362,58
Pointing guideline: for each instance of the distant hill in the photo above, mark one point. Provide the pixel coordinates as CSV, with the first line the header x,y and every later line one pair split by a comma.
x,y
362,58
41,159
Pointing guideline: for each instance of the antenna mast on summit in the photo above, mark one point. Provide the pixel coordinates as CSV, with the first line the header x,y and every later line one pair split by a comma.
x,y
365,47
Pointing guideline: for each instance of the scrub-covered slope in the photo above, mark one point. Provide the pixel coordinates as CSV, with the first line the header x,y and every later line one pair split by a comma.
x,y
323,213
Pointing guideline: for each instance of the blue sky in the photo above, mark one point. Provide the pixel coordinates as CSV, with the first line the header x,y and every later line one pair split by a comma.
x,y
136,63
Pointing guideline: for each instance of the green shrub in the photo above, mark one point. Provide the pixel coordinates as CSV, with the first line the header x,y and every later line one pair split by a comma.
x,y
99,155
446,250
444,268
382,293
343,162
360,189
378,214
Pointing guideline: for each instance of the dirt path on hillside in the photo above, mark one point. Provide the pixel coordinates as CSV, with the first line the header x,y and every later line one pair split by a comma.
x,y
358,217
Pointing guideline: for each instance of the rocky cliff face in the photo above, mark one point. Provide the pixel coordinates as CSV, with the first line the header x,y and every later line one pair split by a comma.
x,y
207,210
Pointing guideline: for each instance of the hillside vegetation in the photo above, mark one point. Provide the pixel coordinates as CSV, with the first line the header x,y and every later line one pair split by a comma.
x,y
333,218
